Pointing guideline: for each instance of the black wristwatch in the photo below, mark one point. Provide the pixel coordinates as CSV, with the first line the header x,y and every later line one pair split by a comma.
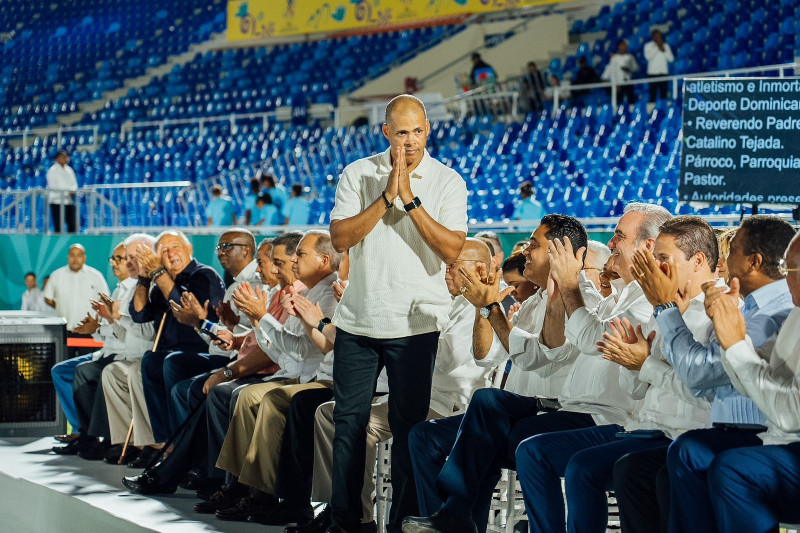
x,y
227,372
322,323
413,204
486,311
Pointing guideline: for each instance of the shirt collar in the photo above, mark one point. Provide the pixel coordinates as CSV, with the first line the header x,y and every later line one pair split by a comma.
x,y
247,272
324,283
129,282
422,170
764,295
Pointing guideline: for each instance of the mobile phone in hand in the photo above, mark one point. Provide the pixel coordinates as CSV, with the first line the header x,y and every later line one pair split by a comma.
x,y
213,336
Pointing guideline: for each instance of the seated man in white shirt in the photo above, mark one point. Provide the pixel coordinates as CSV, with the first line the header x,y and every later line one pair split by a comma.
x,y
483,440
754,487
84,389
687,248
456,377
315,263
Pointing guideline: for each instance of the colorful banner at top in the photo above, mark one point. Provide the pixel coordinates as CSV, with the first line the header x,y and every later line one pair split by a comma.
x,y
262,19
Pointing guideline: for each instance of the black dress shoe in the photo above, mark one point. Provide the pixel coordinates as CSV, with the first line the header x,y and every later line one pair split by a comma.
x,y
145,458
66,439
115,454
243,509
112,454
219,500
94,451
284,514
369,527
72,448
438,523
145,483
318,524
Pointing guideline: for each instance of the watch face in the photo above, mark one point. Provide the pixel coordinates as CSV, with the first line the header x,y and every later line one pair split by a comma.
x,y
484,312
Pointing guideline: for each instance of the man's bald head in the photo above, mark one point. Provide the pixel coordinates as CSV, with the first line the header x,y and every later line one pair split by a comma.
x,y
403,102
475,250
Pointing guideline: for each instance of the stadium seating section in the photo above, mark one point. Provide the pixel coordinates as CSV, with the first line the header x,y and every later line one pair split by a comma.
x,y
587,161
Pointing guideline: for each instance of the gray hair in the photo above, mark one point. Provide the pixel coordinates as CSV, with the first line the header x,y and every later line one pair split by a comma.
x,y
403,98
290,240
653,217
139,237
324,246
174,233
265,242
597,255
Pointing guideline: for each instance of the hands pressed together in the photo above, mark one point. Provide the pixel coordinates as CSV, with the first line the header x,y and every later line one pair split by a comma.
x,y
87,326
189,311
722,307
399,183
482,287
252,302
625,345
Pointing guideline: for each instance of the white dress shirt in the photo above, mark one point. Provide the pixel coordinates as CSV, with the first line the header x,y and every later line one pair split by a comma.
x,y
456,377
33,300
771,382
112,345
658,60
72,291
288,345
620,68
592,385
249,275
540,371
668,404
137,337
397,286
61,179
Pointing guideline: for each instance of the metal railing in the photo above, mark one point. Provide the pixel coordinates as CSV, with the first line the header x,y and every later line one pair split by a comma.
x,y
29,211
50,131
280,114
675,80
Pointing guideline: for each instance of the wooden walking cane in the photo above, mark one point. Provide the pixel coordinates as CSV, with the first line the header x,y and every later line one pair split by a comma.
x,y
121,459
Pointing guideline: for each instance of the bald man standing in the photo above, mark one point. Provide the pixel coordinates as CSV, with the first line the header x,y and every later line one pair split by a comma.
x,y
403,217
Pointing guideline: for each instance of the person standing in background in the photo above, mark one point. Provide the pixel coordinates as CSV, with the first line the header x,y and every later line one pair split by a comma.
x,y
32,299
527,208
296,211
250,208
63,185
72,286
620,69
220,210
658,55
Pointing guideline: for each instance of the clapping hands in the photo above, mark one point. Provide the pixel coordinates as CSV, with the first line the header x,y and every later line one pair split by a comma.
x,y
252,302
624,345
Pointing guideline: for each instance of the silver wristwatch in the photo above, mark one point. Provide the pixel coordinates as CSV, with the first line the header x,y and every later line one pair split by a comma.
x,y
486,311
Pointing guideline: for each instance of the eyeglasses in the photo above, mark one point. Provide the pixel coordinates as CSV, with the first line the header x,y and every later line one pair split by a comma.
x,y
227,246
114,259
783,268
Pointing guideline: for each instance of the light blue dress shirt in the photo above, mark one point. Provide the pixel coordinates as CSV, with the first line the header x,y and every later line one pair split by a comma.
x,y
268,216
528,209
220,211
700,367
297,211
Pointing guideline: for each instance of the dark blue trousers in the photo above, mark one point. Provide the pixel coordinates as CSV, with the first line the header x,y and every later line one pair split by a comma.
x,y
495,422
162,370
688,460
409,364
184,397
756,488
430,443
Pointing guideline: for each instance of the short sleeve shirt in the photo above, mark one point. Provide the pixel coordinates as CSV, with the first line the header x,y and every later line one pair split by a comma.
x,y
397,286
220,211
297,211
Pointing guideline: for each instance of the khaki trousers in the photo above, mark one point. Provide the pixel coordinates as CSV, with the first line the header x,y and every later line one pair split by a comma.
x,y
260,468
122,387
243,424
